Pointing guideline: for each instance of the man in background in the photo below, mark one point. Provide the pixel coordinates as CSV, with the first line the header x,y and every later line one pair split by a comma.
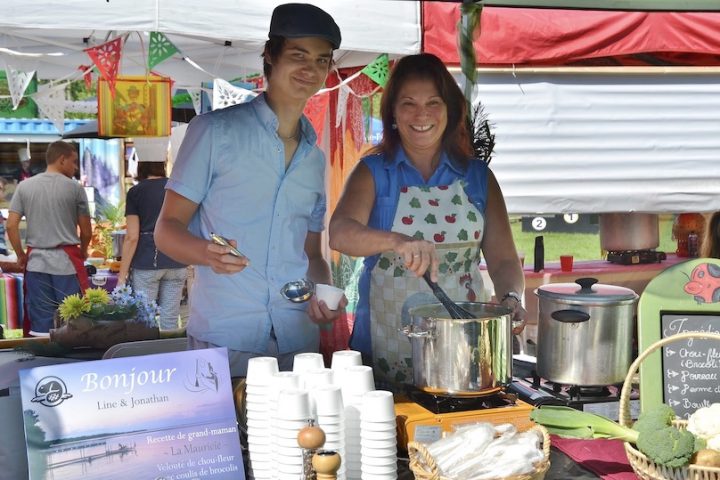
x,y
24,159
54,206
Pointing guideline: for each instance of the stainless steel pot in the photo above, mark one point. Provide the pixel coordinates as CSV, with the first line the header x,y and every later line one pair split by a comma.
x,y
629,231
118,237
585,332
461,357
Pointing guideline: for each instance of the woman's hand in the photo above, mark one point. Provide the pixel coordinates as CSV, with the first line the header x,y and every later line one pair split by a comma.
x,y
222,261
518,314
321,315
419,255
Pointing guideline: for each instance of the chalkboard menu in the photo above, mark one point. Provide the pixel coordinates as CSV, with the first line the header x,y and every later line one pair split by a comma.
x,y
691,368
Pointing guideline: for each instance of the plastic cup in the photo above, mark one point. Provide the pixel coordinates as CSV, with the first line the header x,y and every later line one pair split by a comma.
x,y
261,370
329,294
566,263
317,377
345,358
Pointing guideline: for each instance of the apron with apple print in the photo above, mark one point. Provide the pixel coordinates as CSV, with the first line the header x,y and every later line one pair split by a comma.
x,y
446,216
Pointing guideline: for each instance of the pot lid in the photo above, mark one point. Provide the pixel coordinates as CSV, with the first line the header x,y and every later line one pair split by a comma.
x,y
586,290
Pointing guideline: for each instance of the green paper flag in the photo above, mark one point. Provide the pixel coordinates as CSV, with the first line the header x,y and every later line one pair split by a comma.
x,y
378,69
160,49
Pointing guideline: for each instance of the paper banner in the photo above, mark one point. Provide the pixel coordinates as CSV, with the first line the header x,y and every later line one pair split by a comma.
x,y
106,58
87,75
378,70
196,97
17,84
225,94
354,117
51,104
343,93
316,110
160,49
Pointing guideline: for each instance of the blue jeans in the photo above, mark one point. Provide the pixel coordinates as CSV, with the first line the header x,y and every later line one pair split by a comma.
x,y
165,286
43,294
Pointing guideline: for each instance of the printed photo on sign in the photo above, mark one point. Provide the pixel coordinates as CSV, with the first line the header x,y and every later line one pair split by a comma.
x,y
168,416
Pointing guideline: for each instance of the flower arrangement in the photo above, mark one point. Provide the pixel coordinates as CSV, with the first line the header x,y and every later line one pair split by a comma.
x,y
121,304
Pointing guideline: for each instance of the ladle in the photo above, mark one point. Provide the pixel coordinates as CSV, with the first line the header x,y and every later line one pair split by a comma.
x,y
296,291
455,310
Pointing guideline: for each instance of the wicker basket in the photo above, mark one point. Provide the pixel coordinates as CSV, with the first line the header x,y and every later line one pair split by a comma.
x,y
424,467
644,467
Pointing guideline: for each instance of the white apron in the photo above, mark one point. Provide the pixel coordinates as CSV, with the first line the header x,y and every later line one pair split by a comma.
x,y
444,215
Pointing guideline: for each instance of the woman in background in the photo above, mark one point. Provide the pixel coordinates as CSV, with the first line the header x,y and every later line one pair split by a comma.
x,y
147,269
711,239
421,201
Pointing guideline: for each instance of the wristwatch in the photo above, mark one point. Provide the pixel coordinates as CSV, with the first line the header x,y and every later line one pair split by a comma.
x,y
514,295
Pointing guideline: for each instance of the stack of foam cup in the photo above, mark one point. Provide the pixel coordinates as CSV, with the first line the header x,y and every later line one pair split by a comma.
x,y
356,381
331,419
305,362
378,441
281,381
292,415
257,410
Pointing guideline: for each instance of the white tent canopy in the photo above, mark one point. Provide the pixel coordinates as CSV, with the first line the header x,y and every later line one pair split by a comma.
x,y
224,37
605,140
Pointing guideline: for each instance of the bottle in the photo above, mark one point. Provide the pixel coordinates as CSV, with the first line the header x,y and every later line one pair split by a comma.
x,y
539,254
692,242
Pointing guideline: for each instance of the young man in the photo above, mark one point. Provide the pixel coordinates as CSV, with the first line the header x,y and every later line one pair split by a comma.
x,y
253,173
54,206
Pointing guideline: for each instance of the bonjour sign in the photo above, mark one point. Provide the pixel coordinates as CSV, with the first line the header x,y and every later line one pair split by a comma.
x,y
691,368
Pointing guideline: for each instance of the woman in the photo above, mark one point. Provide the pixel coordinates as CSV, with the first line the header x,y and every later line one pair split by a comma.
x,y
420,201
711,240
158,276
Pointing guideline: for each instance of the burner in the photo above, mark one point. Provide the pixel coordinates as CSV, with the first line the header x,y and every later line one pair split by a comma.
x,y
633,257
447,404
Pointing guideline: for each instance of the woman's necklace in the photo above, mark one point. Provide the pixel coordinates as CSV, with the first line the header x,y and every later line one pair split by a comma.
x,y
295,136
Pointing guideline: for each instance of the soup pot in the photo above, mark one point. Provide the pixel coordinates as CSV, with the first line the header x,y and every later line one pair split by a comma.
x,y
585,332
461,357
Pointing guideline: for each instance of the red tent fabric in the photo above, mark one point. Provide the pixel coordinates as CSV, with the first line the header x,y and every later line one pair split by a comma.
x,y
544,36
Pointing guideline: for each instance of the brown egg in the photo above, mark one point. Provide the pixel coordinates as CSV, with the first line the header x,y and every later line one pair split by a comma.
x,y
311,437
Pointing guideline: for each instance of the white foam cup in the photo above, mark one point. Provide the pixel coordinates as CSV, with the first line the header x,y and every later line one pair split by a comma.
x,y
328,401
356,381
304,362
366,435
378,426
260,370
377,406
293,405
329,294
345,358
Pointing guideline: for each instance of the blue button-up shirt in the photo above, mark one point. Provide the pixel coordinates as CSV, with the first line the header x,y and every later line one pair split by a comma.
x,y
232,164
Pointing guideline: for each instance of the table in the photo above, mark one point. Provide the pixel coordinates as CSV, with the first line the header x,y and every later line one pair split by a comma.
x,y
634,277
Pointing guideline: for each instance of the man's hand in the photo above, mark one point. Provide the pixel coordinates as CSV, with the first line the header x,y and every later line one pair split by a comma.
x,y
321,315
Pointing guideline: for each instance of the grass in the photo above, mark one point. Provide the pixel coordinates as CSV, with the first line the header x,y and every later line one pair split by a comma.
x,y
582,246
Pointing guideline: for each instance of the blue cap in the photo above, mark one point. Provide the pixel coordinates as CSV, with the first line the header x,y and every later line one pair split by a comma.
x,y
294,20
